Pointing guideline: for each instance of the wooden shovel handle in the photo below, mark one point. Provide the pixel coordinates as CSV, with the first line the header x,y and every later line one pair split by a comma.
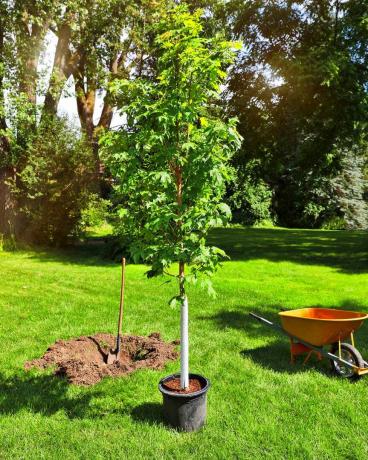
x,y
121,308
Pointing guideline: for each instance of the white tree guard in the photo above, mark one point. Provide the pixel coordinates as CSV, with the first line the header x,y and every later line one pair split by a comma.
x,y
184,345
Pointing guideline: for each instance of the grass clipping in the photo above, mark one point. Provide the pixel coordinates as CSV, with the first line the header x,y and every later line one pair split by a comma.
x,y
83,360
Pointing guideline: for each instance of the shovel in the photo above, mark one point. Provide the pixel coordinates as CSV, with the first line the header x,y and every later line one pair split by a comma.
x,y
115,354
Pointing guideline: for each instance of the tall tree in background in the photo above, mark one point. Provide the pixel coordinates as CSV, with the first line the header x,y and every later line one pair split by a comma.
x,y
24,25
97,41
299,87
300,91
6,170
349,189
32,19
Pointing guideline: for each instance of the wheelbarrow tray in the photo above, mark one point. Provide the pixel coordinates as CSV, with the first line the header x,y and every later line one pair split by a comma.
x,y
321,326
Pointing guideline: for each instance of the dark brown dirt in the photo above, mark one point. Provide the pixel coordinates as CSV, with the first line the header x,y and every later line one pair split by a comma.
x,y
174,385
83,360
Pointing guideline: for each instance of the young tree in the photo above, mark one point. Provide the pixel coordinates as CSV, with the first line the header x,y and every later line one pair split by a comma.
x,y
171,158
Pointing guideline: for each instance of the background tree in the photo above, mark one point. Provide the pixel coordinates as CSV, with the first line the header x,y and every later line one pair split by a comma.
x,y
171,158
299,89
349,189
97,41
24,25
6,170
53,186
249,196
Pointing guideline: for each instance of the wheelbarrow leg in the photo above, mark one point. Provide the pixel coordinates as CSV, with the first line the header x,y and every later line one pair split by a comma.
x,y
310,353
307,357
292,356
297,348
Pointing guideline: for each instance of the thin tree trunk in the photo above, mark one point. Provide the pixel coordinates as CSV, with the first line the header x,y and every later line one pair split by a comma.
x,y
3,138
86,98
184,336
337,7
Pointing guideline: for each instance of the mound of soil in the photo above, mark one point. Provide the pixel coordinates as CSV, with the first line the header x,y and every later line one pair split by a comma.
x,y
83,360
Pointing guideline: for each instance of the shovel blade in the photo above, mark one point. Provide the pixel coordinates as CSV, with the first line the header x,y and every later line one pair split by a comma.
x,y
111,358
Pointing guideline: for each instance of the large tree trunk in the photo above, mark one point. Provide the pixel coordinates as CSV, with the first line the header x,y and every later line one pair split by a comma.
x,y
62,69
86,99
6,171
85,93
107,110
7,202
31,44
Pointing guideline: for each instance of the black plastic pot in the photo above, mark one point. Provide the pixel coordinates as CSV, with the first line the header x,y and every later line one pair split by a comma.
x,y
185,412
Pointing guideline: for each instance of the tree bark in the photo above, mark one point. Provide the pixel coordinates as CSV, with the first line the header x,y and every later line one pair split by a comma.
x,y
107,110
6,170
62,69
86,98
29,37
3,138
85,93
32,43
7,202
86,104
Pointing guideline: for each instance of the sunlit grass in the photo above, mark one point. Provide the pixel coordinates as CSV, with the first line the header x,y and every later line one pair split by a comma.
x,y
259,406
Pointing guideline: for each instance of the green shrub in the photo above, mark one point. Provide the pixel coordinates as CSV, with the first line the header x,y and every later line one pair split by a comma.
x,y
250,198
96,213
53,185
8,243
334,223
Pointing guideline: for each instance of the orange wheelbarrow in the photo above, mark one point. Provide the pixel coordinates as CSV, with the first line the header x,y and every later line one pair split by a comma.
x,y
322,331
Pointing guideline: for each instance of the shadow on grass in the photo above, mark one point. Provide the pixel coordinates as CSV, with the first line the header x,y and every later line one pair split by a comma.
x,y
276,357
44,394
241,320
48,394
85,254
148,413
346,251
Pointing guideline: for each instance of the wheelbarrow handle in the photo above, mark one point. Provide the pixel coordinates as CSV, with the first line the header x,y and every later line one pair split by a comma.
x,y
261,320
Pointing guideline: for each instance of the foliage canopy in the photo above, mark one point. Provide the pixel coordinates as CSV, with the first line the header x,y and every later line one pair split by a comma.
x,y
171,159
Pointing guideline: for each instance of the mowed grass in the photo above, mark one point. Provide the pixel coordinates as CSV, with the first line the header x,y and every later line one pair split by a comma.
x,y
258,406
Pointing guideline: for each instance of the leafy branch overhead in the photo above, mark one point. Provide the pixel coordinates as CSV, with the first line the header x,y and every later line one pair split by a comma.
x,y
171,159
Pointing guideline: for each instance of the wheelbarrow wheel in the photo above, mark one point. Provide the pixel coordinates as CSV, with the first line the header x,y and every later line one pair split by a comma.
x,y
349,354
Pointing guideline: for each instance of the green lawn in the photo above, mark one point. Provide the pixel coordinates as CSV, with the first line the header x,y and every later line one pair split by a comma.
x,y
259,406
